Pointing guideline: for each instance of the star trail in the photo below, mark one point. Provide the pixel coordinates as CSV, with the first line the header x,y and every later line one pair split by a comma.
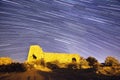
x,y
87,27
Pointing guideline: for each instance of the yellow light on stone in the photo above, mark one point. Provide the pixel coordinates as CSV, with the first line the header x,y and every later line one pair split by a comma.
x,y
36,53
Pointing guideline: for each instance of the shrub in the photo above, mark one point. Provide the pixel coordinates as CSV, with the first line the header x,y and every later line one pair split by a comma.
x,y
28,66
51,65
83,63
13,67
5,60
111,61
92,61
72,66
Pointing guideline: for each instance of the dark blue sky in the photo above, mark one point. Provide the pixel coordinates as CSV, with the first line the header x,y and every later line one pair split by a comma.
x,y
87,27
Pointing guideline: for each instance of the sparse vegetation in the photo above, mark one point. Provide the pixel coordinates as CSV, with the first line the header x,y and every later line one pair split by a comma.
x,y
110,70
13,67
52,65
83,63
92,61
111,67
72,66
111,61
5,60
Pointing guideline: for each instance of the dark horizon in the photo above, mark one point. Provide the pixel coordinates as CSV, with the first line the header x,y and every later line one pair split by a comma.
x,y
87,27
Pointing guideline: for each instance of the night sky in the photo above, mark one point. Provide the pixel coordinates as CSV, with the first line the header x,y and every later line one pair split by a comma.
x,y
87,27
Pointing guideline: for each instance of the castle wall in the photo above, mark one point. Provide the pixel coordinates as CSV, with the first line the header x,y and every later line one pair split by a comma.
x,y
60,57
36,53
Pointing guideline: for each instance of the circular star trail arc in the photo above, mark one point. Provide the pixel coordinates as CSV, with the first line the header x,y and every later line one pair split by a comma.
x,y
87,27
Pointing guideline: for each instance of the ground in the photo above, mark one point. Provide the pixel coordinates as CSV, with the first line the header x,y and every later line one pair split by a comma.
x,y
57,74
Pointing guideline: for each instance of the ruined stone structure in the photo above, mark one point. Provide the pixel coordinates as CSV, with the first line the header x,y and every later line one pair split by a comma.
x,y
36,53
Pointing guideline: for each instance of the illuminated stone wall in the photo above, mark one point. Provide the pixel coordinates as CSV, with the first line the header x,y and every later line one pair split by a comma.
x,y
36,53
60,57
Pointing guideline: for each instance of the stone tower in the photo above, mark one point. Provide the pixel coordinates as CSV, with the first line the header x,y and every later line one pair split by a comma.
x,y
35,53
